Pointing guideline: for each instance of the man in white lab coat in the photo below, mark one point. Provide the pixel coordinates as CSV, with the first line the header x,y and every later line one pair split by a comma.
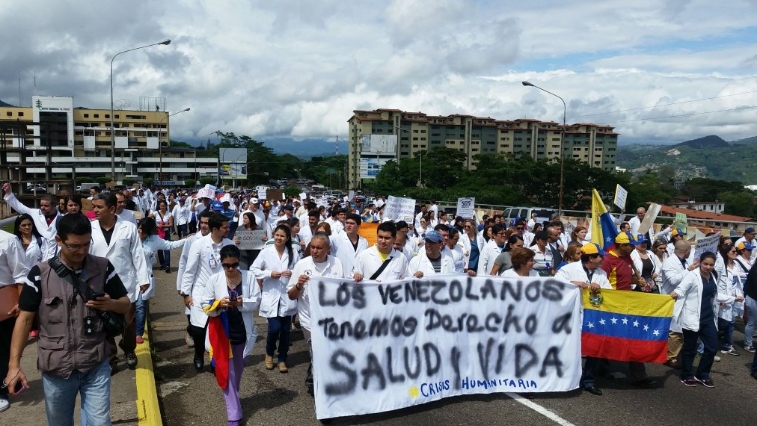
x,y
348,244
45,218
431,261
118,241
381,262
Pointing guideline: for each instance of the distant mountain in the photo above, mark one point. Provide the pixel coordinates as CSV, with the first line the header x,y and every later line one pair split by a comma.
x,y
707,142
710,156
5,104
304,148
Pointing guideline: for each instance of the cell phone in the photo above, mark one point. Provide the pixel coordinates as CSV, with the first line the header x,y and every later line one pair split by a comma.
x,y
20,387
96,295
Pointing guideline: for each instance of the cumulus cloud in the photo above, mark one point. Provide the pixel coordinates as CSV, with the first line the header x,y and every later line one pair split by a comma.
x,y
298,69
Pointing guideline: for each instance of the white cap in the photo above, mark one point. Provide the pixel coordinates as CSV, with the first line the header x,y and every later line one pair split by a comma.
x,y
254,200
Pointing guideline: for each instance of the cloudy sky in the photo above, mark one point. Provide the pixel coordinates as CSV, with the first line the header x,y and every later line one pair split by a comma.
x,y
657,70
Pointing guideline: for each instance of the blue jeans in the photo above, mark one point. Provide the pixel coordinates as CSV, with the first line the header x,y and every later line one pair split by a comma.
x,y
181,230
279,328
60,397
709,335
140,313
751,307
589,370
167,253
726,327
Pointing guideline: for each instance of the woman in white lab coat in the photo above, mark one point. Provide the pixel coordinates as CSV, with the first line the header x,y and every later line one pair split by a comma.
x,y
234,294
273,268
151,243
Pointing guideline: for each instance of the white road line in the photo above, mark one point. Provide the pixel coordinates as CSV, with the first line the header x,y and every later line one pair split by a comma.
x,y
539,409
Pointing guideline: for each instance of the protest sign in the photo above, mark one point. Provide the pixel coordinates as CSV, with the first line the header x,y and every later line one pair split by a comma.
x,y
620,197
680,222
262,194
384,346
707,244
649,218
398,208
303,196
465,207
250,240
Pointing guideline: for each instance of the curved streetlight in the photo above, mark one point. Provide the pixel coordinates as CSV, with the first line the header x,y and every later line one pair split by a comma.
x,y
160,143
562,142
112,126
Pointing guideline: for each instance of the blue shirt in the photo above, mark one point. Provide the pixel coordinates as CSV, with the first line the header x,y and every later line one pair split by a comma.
x,y
709,290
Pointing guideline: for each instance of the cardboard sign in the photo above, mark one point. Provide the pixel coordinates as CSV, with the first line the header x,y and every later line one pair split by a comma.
x,y
707,244
649,218
397,208
250,240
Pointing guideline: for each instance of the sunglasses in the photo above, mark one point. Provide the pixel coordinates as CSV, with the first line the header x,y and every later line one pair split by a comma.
x,y
230,265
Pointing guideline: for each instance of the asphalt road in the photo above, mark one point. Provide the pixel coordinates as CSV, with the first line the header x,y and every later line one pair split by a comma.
x,y
272,398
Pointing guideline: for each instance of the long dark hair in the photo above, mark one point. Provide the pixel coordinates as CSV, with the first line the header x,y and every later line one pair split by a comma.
x,y
17,231
148,225
512,240
253,222
288,243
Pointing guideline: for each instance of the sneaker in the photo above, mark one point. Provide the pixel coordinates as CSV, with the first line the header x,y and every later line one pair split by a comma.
x,y
268,362
189,341
708,383
749,349
4,404
717,358
140,340
689,382
730,351
283,367
131,360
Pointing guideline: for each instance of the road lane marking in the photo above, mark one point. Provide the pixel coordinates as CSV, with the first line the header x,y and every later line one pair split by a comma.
x,y
539,409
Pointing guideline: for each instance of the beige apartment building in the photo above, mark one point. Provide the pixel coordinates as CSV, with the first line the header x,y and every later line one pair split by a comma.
x,y
404,134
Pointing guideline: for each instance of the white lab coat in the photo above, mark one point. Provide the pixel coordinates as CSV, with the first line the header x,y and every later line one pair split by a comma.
x,y
332,268
673,273
487,257
34,252
274,301
730,284
203,261
688,305
48,232
128,216
422,263
124,252
637,262
341,247
369,261
151,245
181,214
217,289
575,272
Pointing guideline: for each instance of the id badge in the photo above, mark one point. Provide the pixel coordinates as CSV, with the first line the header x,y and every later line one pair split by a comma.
x,y
213,263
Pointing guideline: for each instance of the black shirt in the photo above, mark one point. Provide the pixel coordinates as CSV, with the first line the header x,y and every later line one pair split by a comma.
x,y
31,293
107,234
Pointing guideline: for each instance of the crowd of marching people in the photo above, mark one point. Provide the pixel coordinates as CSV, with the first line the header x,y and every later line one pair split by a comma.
x,y
222,285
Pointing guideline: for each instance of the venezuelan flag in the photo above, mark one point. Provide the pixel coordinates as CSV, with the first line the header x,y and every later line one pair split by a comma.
x,y
220,345
627,326
603,229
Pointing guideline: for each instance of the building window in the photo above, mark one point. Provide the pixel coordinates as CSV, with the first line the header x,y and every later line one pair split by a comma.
x,y
97,115
9,113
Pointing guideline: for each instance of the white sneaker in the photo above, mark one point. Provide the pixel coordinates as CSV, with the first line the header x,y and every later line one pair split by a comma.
x,y
4,404
717,358
189,341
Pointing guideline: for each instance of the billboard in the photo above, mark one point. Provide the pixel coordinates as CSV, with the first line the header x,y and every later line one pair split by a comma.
x,y
370,167
378,144
234,170
233,155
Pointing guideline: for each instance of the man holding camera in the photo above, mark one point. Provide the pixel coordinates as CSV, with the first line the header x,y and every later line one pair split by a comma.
x,y
72,351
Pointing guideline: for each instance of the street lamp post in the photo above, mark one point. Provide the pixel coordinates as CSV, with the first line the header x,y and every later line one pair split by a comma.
x,y
160,143
562,143
112,126
420,159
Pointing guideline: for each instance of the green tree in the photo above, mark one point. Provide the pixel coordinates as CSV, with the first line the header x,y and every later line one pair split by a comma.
x,y
739,203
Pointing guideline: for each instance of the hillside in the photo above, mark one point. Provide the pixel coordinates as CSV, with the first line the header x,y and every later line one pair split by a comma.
x,y
709,156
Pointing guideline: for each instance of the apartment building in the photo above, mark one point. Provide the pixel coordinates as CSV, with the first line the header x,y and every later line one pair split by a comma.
x,y
415,132
53,134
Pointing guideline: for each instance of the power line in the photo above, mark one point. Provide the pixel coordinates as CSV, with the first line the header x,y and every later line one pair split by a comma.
x,y
689,114
664,105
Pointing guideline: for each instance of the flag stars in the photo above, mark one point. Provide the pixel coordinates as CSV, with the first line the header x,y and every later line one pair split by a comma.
x,y
656,332
591,325
625,321
635,323
614,320
602,321
646,327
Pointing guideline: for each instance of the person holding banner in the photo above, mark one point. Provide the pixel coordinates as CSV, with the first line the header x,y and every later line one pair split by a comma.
x,y
674,269
318,264
587,274
381,262
696,308
503,262
523,264
432,261
274,267
491,250
349,244
647,264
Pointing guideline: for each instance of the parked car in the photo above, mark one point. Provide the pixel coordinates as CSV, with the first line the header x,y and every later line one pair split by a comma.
x,y
35,188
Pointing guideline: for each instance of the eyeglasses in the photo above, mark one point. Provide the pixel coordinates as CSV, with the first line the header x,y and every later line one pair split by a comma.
x,y
77,247
502,233
519,228
230,265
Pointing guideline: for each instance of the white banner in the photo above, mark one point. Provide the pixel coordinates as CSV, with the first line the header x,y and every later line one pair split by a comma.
x,y
385,346
466,207
398,208
707,244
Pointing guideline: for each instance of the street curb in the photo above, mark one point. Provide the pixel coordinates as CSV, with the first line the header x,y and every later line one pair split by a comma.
x,y
148,410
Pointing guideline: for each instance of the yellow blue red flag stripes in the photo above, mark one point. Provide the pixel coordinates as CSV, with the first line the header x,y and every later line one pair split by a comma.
x,y
220,345
626,326
603,229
